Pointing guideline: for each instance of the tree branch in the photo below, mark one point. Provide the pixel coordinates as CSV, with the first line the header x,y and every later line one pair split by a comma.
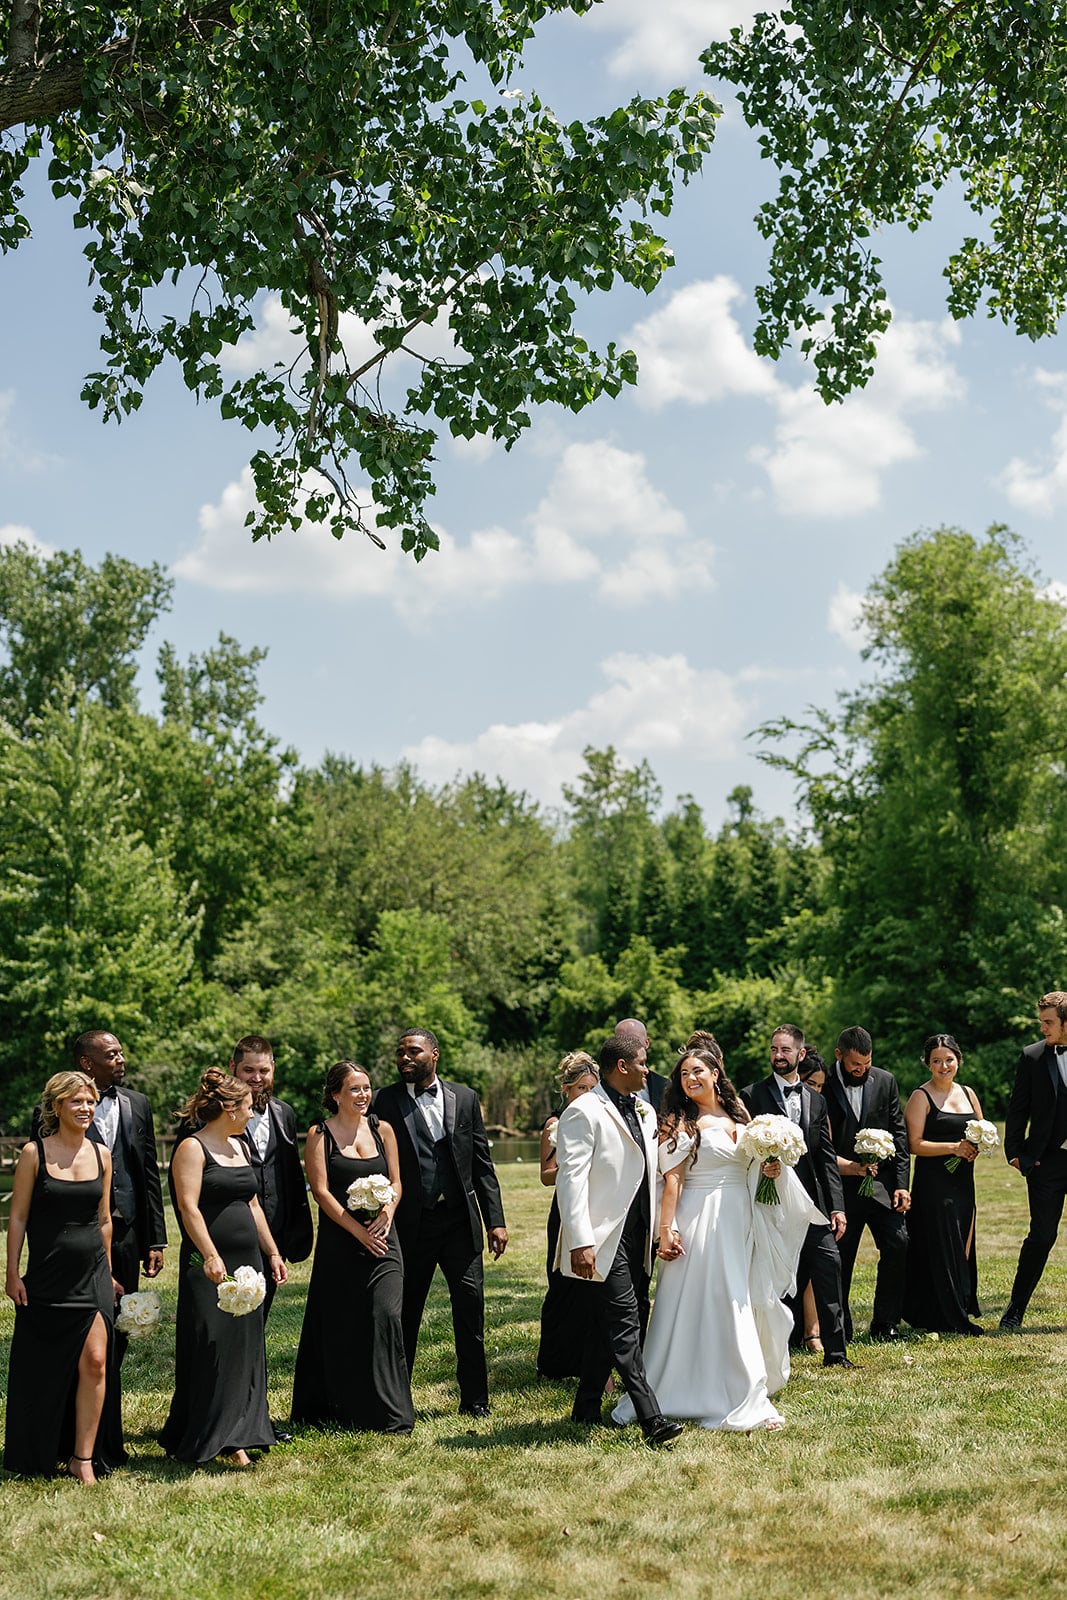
x,y
43,92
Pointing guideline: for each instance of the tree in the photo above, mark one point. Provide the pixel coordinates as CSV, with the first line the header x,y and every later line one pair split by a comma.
x,y
94,929
938,795
867,111
71,628
324,150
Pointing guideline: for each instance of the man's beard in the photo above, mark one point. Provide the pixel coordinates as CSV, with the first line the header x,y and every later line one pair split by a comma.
x,y
783,1069
260,1099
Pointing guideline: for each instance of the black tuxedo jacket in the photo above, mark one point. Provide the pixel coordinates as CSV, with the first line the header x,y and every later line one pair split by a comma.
x,y
879,1108
135,1116
468,1147
655,1087
283,1190
818,1169
1032,1107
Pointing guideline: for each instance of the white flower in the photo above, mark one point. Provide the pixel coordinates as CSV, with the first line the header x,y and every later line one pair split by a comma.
x,y
643,1108
370,1193
553,1135
772,1138
983,1134
139,1314
242,1293
874,1144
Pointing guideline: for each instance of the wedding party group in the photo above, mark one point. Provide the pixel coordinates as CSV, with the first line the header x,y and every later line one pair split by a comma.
x,y
748,1205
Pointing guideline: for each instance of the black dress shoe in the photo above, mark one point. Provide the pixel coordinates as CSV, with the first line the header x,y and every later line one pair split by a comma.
x,y
843,1362
972,1330
1012,1319
886,1333
660,1430
474,1411
282,1432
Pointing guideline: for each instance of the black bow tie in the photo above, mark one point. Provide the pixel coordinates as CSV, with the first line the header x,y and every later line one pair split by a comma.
x,y
791,1088
1060,1049
427,1088
109,1094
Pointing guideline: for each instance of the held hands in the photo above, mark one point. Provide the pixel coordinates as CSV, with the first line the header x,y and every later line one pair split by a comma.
x,y
670,1245
901,1200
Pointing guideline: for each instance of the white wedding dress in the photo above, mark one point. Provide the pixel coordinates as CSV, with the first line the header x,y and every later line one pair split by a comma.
x,y
718,1340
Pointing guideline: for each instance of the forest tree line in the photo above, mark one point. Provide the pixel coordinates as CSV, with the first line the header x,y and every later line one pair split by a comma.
x,y
181,879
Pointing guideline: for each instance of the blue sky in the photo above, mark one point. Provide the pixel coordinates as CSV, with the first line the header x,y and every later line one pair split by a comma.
x,y
662,572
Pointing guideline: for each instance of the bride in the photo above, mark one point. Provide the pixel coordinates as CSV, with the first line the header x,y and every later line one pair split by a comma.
x,y
718,1341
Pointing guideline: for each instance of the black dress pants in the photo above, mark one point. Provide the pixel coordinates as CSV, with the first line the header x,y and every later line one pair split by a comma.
x,y
889,1229
614,1332
443,1239
1046,1187
820,1265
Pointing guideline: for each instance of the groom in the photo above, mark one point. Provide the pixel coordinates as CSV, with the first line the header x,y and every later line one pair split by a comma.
x,y
606,1154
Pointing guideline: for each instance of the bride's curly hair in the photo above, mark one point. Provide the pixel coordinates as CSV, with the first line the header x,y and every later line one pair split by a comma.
x,y
678,1114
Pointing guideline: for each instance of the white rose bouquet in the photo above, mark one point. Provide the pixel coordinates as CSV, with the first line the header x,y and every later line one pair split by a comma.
x,y
873,1145
370,1194
771,1138
242,1293
982,1134
139,1314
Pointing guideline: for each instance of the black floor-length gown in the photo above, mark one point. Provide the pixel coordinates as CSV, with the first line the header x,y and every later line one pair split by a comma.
x,y
941,1293
566,1313
350,1367
67,1284
220,1361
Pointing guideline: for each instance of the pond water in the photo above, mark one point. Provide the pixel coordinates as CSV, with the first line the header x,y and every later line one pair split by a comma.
x,y
505,1150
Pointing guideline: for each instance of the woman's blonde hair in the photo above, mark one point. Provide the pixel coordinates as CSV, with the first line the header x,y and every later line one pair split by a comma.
x,y
577,1064
62,1086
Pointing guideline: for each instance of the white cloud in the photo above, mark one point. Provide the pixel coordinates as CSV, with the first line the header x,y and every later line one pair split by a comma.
x,y
663,40
601,521
824,460
652,705
830,460
845,617
1055,591
1040,487
12,534
692,349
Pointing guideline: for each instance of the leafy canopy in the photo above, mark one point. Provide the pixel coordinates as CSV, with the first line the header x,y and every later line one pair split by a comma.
x,y
868,111
323,150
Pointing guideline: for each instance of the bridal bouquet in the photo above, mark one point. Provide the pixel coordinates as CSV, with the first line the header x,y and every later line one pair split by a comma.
x,y
370,1194
873,1144
771,1138
139,1314
980,1133
242,1293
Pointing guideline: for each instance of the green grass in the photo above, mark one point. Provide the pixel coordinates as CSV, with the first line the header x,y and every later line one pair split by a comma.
x,y
939,1470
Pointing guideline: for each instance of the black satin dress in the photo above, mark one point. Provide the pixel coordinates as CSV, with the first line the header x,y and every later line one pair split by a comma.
x,y
67,1285
220,1361
941,1293
350,1368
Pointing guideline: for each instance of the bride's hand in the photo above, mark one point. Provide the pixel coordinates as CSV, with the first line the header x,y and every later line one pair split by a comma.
x,y
670,1244
771,1169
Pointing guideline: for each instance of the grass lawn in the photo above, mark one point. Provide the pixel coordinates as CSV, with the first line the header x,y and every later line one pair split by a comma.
x,y
940,1470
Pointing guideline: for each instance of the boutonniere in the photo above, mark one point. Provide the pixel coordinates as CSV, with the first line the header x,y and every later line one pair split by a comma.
x,y
643,1108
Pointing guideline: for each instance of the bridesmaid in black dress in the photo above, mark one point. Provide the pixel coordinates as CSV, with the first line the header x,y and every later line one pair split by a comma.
x,y
63,1397
220,1363
565,1309
942,1284
350,1369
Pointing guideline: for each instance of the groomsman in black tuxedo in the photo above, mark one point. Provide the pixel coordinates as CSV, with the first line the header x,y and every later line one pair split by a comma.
x,y
1035,1143
449,1189
123,1122
861,1096
272,1139
783,1094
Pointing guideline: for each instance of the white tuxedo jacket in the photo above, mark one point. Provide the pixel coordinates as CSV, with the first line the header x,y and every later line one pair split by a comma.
x,y
599,1171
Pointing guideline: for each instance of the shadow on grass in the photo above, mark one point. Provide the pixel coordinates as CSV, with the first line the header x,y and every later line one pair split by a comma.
x,y
539,1435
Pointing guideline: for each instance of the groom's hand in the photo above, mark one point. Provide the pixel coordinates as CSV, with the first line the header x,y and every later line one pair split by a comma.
x,y
837,1223
583,1261
498,1242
